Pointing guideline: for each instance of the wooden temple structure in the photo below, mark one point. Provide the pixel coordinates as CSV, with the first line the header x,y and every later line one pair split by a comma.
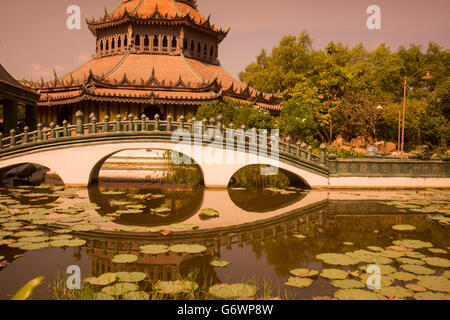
x,y
151,57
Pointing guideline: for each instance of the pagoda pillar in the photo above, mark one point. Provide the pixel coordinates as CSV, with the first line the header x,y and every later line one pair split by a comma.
x,y
31,115
9,116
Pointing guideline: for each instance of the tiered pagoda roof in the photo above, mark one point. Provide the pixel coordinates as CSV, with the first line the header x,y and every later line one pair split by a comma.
x,y
139,74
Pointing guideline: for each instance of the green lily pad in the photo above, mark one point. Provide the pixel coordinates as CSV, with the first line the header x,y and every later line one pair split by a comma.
x,y
188,248
136,296
437,262
435,283
154,249
431,296
85,227
219,264
386,280
334,274
417,269
356,294
103,297
22,234
385,269
411,261
100,219
34,246
34,239
125,258
103,280
391,254
299,282
413,244
134,277
396,292
120,289
415,255
347,284
402,276
209,213
176,287
75,243
180,226
404,227
437,251
337,259
63,231
126,228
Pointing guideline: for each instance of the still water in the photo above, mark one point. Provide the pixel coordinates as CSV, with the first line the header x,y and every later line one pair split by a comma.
x,y
266,233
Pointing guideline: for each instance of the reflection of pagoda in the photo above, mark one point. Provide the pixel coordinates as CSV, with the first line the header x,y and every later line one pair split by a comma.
x,y
152,57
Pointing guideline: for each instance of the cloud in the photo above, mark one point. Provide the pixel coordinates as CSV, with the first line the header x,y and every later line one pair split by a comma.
x,y
36,70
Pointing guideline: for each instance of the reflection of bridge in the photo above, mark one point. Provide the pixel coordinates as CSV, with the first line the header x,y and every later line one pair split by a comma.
x,y
76,153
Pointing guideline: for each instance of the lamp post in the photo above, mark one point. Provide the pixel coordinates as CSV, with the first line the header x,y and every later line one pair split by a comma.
x,y
428,76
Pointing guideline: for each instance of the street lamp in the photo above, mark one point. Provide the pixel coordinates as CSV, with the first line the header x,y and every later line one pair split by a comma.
x,y
428,76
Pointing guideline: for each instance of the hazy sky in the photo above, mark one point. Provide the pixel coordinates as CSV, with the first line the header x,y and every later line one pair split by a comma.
x,y
34,37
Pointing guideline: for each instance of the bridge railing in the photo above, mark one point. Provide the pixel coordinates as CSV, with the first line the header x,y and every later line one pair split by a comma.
x,y
135,126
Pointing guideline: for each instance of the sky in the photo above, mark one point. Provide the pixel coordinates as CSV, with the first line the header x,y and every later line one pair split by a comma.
x,y
34,38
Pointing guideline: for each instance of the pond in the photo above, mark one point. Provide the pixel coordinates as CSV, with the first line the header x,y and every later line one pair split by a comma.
x,y
275,241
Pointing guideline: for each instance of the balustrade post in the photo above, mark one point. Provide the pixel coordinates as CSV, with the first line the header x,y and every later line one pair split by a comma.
x,y
52,130
288,142
12,134
136,124
169,123
193,125
93,124
303,147
106,124
181,120
130,122
299,149
143,122
204,125
39,132
65,129
156,122
308,154
79,123
118,124
323,153
25,135
220,123
57,132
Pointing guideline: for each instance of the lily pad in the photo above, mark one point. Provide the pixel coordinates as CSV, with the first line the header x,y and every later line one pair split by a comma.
x,y
103,280
154,249
435,283
75,243
396,292
413,244
356,294
209,213
402,276
22,234
437,262
34,246
103,297
437,251
411,261
233,291
414,287
85,227
219,264
125,258
404,227
120,289
299,282
431,296
188,248
176,287
136,296
337,259
334,274
417,269
386,280
134,277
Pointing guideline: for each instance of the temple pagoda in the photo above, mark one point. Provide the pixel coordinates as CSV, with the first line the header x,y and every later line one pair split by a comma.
x,y
151,57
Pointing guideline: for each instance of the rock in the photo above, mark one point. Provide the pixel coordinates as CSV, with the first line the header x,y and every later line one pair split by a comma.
x,y
372,150
390,147
380,145
358,142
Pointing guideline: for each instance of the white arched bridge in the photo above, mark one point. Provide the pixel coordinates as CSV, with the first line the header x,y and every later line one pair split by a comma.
x,y
77,152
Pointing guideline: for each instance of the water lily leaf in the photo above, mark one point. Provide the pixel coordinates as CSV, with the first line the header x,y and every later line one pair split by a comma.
x,y
134,277
299,282
25,292
136,295
103,297
126,228
391,254
103,280
304,273
431,296
437,251
61,237
337,259
125,258
415,287
181,226
34,246
154,249
28,234
356,294
41,222
75,243
34,239
386,280
347,284
209,213
100,219
129,211
120,289
85,227
404,227
188,248
219,264
437,262
435,283
446,274
417,269
413,244
63,231
415,255
411,261
402,276
58,243
384,268
176,287
396,292
334,274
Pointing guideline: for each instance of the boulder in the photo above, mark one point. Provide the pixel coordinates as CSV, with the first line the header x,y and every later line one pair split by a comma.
x,y
380,145
390,147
